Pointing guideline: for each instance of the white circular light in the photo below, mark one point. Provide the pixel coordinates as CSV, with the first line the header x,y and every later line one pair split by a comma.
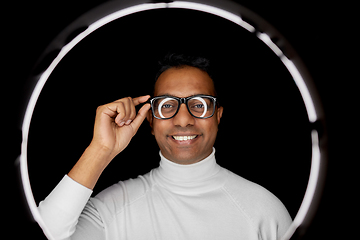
x,y
204,103
307,91
161,104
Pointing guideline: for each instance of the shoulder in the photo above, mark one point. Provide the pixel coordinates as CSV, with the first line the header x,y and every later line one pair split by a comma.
x,y
259,204
247,190
123,193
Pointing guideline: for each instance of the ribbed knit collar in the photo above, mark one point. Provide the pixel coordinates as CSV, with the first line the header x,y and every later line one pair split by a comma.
x,y
199,177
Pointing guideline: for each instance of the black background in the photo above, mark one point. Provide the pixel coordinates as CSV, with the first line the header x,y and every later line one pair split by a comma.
x,y
272,135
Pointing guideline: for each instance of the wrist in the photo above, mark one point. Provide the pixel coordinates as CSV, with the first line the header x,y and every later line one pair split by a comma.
x,y
98,148
99,154
90,165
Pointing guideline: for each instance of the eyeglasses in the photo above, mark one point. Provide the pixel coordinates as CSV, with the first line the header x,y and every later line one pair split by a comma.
x,y
199,106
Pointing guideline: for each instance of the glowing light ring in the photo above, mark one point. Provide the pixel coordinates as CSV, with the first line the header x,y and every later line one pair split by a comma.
x,y
161,104
311,108
204,103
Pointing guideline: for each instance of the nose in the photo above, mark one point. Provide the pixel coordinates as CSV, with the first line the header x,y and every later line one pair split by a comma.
x,y
183,118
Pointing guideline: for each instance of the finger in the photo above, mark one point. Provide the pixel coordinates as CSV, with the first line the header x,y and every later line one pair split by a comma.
x,y
111,109
131,112
140,116
120,108
125,110
127,102
141,99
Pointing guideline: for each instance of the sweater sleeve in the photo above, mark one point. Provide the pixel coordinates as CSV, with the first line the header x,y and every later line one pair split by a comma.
x,y
68,213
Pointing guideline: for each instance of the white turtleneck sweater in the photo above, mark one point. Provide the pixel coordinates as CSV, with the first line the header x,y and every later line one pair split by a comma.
x,y
173,201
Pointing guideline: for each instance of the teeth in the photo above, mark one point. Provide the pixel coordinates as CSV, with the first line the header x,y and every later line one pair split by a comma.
x,y
184,138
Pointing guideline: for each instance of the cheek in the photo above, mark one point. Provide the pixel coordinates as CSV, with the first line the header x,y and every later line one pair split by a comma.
x,y
211,128
159,129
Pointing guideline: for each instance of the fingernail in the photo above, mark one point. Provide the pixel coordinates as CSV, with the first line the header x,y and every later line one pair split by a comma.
x,y
121,123
128,122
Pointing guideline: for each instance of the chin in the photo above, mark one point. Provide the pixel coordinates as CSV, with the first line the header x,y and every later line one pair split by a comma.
x,y
185,157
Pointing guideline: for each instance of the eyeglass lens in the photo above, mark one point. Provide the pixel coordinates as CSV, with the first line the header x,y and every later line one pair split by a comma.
x,y
167,107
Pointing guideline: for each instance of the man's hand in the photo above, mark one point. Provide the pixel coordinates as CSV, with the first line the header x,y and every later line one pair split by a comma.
x,y
115,125
117,122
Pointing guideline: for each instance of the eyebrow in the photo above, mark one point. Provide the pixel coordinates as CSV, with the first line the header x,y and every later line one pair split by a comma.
x,y
170,95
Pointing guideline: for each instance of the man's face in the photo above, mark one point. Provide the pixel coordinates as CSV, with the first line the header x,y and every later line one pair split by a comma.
x,y
185,82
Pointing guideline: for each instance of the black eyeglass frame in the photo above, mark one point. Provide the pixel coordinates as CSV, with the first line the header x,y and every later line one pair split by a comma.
x,y
185,101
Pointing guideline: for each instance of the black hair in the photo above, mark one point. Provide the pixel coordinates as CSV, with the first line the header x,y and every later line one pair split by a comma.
x,y
179,60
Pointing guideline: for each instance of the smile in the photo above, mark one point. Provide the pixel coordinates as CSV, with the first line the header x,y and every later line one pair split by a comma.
x,y
184,138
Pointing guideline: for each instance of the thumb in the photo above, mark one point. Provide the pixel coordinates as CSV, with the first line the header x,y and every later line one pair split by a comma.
x,y
140,117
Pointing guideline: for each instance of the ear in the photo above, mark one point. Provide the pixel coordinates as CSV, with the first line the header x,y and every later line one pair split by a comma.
x,y
150,119
219,113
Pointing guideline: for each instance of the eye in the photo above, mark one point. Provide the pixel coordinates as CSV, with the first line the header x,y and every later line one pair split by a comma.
x,y
198,105
167,106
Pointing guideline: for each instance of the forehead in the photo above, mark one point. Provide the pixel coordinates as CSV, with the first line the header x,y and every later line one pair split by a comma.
x,y
184,82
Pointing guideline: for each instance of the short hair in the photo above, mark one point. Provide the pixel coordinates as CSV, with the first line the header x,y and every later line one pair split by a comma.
x,y
179,60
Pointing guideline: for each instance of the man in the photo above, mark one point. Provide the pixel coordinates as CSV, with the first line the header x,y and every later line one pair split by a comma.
x,y
189,196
